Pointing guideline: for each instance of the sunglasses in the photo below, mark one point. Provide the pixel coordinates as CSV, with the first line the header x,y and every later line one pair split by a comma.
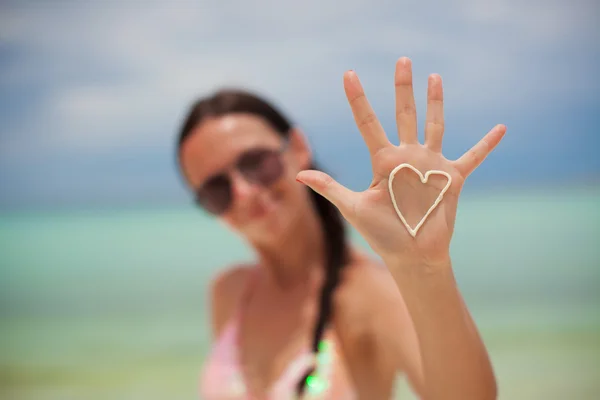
x,y
262,166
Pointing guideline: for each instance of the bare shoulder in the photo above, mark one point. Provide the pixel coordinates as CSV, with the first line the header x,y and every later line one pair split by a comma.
x,y
225,290
370,310
367,289
373,326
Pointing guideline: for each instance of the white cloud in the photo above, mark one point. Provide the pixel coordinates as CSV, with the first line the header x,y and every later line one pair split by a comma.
x,y
113,73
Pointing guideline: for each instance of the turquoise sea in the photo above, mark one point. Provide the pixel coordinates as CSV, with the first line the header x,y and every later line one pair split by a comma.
x,y
110,304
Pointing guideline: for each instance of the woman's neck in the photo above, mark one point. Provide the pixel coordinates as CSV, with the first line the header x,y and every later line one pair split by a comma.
x,y
297,254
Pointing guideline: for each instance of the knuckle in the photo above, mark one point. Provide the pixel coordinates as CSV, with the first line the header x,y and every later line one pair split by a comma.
x,y
485,144
406,109
474,155
402,83
359,97
368,119
325,181
435,126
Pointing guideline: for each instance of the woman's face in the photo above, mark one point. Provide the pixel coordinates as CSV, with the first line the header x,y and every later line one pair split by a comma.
x,y
247,173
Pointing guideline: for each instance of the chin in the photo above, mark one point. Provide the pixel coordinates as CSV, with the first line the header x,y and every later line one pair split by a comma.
x,y
272,226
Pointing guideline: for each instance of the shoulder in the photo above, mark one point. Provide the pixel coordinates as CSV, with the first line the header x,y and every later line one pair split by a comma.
x,y
370,311
366,290
225,291
372,325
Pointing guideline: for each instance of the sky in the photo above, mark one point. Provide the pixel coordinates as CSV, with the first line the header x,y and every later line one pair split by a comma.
x,y
92,95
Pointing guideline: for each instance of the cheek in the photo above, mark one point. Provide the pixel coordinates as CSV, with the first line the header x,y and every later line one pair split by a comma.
x,y
290,192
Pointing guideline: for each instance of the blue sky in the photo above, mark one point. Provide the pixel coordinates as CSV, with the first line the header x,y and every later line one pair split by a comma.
x,y
91,96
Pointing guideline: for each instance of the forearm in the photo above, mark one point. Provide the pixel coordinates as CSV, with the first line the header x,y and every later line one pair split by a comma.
x,y
454,359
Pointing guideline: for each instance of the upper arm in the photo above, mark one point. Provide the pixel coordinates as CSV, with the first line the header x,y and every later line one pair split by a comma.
x,y
376,330
224,295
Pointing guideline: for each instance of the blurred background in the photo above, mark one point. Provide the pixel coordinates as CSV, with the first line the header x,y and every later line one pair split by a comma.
x,y
104,260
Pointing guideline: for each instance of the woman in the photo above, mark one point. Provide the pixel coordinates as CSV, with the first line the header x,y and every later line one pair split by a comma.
x,y
313,317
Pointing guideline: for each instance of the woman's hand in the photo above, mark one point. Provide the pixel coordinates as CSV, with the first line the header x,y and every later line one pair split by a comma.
x,y
372,211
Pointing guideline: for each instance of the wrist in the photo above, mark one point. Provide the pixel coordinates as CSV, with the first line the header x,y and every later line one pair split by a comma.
x,y
402,264
420,279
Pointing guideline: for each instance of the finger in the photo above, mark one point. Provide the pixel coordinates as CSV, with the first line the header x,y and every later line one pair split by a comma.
x,y
434,121
469,161
326,186
406,114
366,120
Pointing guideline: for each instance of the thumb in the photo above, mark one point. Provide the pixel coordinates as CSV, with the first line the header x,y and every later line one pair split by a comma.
x,y
340,196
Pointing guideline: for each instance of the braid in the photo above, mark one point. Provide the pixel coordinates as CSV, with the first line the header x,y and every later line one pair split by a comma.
x,y
337,257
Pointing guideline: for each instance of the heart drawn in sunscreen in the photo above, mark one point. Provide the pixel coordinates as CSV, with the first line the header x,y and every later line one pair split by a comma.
x,y
413,231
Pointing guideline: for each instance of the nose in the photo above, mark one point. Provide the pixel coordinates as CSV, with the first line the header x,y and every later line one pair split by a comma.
x,y
242,189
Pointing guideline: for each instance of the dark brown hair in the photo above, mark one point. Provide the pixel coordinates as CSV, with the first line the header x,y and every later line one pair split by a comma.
x,y
227,101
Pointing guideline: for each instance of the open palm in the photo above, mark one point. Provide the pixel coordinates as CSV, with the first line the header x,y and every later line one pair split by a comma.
x,y
372,211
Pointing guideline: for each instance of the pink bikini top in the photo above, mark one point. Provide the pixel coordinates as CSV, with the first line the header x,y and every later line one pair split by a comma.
x,y
222,379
